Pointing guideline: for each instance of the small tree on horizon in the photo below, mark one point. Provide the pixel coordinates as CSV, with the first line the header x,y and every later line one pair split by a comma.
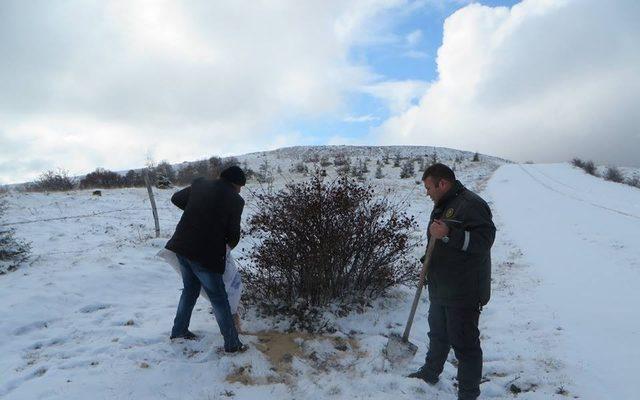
x,y
385,158
165,175
396,160
407,170
420,164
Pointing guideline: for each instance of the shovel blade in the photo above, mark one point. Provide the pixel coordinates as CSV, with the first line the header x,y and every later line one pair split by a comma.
x,y
398,351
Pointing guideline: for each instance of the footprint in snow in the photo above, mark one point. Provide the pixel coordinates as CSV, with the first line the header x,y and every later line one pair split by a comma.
x,y
94,307
31,327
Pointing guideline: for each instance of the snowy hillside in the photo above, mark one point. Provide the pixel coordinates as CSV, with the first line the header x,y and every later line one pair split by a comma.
x,y
296,153
90,317
280,162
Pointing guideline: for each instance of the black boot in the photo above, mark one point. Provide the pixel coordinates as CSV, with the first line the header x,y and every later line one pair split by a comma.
x,y
240,349
189,336
424,374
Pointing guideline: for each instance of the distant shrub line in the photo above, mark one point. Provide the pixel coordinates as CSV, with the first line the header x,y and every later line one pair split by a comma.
x,y
611,173
163,175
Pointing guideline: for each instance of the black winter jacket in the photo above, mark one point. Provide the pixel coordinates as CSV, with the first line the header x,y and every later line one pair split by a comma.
x,y
460,270
211,220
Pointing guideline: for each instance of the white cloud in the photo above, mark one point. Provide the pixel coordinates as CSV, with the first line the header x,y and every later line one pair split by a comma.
x,y
360,118
416,54
545,80
398,95
414,38
411,44
97,83
367,22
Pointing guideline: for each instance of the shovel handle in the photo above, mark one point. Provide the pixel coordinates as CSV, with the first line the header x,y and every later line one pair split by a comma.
x,y
416,299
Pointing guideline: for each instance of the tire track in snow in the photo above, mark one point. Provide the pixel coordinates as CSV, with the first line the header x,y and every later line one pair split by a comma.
x,y
575,197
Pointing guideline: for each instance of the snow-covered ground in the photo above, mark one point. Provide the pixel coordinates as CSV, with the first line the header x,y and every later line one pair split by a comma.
x,y
91,315
579,241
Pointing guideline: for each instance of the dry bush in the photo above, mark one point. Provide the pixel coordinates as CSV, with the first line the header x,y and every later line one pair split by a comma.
x,y
217,165
210,168
228,162
325,245
324,161
633,181
13,252
576,162
134,179
341,159
190,171
53,181
311,157
102,178
613,174
299,168
342,164
590,168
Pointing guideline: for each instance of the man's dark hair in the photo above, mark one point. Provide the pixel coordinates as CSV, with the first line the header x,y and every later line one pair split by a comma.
x,y
439,171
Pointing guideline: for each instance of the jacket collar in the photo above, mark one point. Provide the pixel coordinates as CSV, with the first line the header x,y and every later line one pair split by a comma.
x,y
455,190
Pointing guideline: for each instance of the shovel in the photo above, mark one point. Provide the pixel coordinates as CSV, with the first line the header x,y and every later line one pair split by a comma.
x,y
400,349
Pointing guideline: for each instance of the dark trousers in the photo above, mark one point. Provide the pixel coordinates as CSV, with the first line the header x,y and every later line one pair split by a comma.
x,y
456,327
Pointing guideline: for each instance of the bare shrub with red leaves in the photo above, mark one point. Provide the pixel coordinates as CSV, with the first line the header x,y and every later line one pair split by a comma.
x,y
326,245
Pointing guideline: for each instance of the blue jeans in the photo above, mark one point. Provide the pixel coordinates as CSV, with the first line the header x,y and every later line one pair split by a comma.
x,y
194,276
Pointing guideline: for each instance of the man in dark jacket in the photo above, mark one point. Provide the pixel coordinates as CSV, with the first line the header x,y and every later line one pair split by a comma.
x,y
459,278
210,223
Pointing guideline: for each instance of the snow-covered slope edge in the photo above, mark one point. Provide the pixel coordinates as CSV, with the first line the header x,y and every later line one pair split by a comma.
x,y
580,262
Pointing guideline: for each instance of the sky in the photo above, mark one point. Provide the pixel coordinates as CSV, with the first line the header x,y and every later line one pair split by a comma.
x,y
87,84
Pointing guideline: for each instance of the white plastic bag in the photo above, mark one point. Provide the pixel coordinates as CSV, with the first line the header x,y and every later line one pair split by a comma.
x,y
232,283
231,278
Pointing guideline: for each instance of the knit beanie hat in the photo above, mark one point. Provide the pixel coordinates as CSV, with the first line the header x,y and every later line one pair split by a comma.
x,y
235,175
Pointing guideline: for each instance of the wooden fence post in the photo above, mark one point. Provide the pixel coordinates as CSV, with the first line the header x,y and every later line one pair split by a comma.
x,y
153,201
